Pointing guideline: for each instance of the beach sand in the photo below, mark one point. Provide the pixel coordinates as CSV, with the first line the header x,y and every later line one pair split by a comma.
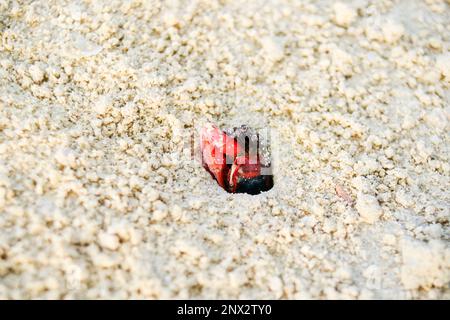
x,y
101,198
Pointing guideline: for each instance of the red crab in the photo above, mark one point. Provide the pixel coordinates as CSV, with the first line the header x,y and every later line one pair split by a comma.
x,y
233,159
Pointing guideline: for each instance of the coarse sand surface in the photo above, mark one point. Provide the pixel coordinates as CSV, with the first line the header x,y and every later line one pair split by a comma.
x,y
100,196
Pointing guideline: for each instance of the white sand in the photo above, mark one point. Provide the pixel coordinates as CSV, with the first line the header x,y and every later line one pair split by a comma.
x,y
97,96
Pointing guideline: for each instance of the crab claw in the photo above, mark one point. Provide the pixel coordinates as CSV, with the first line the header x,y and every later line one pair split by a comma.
x,y
238,172
235,168
215,145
